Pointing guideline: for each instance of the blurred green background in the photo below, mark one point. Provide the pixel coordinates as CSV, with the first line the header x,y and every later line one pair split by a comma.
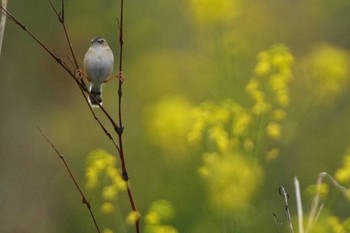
x,y
178,54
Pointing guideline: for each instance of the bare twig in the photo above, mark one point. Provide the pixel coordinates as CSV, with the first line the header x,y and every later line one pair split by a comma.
x,y
285,195
120,129
85,201
299,205
2,23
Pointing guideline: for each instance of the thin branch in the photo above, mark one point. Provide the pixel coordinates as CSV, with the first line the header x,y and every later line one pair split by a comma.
x,y
299,205
2,23
285,195
85,201
133,207
102,126
120,129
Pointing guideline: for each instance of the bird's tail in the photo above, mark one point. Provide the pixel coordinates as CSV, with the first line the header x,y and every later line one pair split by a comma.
x,y
96,92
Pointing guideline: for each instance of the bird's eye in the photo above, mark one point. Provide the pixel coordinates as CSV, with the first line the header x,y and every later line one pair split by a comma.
x,y
100,41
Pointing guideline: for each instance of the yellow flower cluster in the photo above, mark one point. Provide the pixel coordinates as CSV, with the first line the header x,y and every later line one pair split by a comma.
x,y
269,87
337,225
255,91
227,124
343,173
168,122
214,12
231,180
322,190
326,70
101,172
272,76
231,127
107,230
232,132
160,211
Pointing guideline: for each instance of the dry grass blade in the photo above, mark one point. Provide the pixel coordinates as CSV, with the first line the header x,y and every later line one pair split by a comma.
x,y
285,195
2,23
316,207
299,205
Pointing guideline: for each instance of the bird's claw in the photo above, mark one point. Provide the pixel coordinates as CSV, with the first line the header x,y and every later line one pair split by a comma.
x,y
120,76
79,74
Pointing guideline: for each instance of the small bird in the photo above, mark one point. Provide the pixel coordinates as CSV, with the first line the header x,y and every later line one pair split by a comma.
x,y
98,66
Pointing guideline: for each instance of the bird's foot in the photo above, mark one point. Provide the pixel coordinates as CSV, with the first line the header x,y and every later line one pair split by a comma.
x,y
120,76
80,74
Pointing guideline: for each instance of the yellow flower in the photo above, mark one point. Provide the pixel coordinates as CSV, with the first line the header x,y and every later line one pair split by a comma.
x,y
273,73
273,130
195,135
220,137
91,177
109,192
335,224
327,70
278,114
133,217
343,173
168,122
152,217
107,230
107,208
102,166
241,123
231,180
165,229
212,12
272,154
264,66
322,190
159,212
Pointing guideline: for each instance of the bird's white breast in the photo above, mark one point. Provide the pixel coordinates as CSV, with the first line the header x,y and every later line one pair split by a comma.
x,y
98,64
